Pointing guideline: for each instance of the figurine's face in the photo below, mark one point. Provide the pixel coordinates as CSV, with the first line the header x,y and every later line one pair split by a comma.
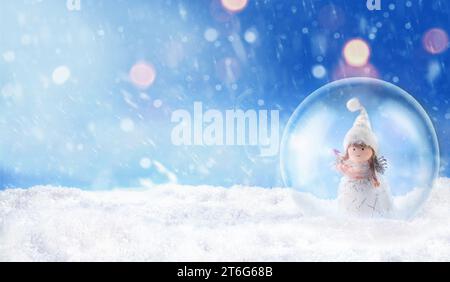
x,y
359,153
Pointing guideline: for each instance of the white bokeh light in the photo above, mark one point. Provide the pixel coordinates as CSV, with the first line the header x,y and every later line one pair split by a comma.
x,y
145,163
127,125
251,36
211,34
60,75
9,56
319,71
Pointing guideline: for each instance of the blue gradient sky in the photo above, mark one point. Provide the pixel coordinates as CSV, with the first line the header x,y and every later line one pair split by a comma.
x,y
71,134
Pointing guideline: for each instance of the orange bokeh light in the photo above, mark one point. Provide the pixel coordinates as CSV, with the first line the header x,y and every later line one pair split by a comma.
x,y
234,5
356,53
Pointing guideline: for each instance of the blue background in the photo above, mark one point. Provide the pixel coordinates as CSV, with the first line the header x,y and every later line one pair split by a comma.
x,y
70,134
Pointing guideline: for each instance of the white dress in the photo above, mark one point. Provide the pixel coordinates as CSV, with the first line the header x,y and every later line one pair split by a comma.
x,y
359,197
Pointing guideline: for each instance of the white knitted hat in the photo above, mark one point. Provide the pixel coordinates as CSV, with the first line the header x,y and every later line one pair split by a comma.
x,y
361,132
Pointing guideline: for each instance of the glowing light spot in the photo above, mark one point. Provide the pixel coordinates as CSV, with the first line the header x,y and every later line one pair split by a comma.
x,y
435,41
127,125
9,56
145,163
234,5
142,75
157,103
319,71
251,36
60,75
356,53
211,34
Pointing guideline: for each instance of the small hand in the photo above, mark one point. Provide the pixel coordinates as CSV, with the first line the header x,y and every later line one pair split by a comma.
x,y
342,167
375,183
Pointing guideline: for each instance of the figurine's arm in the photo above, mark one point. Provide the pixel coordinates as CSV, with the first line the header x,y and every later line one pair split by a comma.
x,y
353,172
343,168
340,166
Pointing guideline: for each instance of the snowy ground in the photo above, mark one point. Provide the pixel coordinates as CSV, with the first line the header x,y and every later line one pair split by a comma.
x,y
179,223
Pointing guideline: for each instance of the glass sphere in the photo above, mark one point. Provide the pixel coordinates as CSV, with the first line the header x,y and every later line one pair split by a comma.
x,y
405,133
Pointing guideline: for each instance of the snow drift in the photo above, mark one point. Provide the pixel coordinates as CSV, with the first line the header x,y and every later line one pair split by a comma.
x,y
182,223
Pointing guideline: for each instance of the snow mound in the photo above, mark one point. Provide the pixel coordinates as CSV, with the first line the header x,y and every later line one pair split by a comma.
x,y
184,223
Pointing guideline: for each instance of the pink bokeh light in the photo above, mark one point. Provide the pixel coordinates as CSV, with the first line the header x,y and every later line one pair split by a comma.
x,y
142,75
435,41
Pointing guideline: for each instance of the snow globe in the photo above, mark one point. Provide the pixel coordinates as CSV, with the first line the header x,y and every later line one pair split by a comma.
x,y
405,140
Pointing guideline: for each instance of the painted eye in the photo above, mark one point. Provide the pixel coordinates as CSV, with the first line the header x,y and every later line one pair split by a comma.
x,y
354,149
362,149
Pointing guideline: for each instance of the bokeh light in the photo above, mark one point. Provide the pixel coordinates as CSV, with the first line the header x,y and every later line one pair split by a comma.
x,y
142,75
211,34
145,163
234,6
127,125
9,56
356,53
60,75
319,71
435,41
251,35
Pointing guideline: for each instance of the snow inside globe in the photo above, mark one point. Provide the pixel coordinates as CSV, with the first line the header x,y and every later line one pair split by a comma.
x,y
364,144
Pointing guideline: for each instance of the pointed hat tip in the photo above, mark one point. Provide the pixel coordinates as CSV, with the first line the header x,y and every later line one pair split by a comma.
x,y
354,105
